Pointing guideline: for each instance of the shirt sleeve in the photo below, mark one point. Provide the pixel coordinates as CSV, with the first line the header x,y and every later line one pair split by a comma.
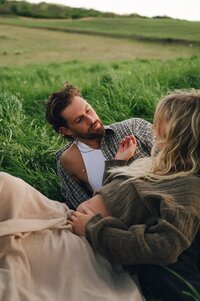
x,y
142,129
160,243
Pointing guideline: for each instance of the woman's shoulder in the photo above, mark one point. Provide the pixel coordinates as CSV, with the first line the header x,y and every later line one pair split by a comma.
x,y
189,182
187,187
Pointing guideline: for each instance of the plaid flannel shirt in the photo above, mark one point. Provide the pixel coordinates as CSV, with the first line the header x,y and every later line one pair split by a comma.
x,y
72,192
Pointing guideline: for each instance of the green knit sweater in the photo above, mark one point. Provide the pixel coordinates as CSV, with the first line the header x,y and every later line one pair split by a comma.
x,y
150,223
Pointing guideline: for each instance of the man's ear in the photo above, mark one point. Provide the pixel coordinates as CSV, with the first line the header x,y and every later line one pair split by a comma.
x,y
64,131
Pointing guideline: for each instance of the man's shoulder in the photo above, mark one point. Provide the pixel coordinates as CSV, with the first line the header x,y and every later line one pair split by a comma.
x,y
62,150
131,123
69,154
127,122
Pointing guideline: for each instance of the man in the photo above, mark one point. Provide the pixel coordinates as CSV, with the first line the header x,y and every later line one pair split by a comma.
x,y
80,163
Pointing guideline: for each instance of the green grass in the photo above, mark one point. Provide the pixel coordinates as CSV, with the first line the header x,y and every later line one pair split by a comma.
x,y
191,291
116,90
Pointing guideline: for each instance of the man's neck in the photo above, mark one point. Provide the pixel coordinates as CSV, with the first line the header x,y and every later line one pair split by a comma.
x,y
93,143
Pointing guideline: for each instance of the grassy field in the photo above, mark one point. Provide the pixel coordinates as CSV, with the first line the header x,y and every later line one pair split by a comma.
x,y
21,46
26,41
126,27
121,77
116,90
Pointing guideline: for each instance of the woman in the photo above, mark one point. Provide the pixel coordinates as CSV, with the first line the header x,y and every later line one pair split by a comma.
x,y
149,214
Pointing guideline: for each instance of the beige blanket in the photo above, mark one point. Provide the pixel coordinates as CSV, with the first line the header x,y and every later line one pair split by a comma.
x,y
41,259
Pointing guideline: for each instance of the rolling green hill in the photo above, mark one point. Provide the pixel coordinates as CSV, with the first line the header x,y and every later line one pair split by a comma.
x,y
155,30
27,40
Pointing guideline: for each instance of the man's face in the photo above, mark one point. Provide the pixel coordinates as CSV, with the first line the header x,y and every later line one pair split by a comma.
x,y
82,120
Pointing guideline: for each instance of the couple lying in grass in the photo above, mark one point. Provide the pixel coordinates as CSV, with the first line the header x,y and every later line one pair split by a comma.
x,y
146,216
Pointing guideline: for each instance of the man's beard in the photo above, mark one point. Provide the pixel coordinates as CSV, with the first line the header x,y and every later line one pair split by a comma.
x,y
93,134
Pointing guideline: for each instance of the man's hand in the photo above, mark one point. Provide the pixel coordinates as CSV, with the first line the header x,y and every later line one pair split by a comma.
x,y
127,147
79,220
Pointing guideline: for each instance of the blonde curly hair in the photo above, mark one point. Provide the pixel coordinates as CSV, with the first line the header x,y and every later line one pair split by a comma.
x,y
177,152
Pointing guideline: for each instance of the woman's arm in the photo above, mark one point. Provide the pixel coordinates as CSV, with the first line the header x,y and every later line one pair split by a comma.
x,y
140,244
159,244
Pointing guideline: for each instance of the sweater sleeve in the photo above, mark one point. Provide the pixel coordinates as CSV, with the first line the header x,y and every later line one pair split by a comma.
x,y
107,177
160,243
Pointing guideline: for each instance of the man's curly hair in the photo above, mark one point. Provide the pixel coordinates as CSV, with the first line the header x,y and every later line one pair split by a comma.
x,y
57,102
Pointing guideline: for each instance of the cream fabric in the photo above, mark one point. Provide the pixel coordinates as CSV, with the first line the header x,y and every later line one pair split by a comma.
x,y
42,260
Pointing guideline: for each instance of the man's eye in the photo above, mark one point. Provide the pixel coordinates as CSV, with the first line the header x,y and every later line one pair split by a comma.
x,y
78,120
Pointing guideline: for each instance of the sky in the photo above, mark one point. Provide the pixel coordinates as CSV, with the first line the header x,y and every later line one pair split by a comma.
x,y
180,9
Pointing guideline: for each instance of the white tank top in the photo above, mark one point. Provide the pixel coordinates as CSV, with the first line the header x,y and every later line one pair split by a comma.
x,y
94,164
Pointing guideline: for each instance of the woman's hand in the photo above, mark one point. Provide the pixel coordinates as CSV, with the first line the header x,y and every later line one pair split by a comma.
x,y
127,147
79,220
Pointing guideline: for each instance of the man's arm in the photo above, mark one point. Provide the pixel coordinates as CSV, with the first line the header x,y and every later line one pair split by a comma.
x,y
126,150
142,129
73,190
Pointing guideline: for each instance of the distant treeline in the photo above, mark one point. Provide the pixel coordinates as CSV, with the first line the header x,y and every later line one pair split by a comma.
x,y
44,10
54,11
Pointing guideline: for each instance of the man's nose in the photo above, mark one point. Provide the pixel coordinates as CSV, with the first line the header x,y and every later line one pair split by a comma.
x,y
90,119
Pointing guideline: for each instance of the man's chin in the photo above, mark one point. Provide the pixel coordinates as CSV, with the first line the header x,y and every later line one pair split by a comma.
x,y
98,133
98,130
95,135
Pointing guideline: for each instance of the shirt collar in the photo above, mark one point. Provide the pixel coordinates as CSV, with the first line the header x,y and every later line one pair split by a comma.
x,y
108,128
